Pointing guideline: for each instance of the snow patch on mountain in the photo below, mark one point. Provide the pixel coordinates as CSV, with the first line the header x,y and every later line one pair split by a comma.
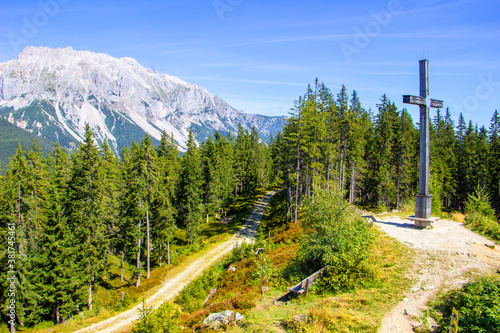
x,y
63,89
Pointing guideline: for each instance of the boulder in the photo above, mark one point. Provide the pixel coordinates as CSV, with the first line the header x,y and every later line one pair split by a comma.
x,y
238,316
216,320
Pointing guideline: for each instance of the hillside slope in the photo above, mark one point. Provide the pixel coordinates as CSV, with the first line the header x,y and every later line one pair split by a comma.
x,y
11,135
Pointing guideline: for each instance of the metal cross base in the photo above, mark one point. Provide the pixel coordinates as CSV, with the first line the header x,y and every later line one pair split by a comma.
x,y
422,223
423,208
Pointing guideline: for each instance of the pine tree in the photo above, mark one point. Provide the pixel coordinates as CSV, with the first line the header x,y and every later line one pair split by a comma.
x,y
406,149
211,177
163,205
460,173
62,288
387,151
84,210
190,196
359,122
242,153
224,164
130,227
25,206
148,177
494,162
111,183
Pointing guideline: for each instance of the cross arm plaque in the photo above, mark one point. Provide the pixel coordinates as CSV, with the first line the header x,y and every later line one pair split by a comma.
x,y
418,100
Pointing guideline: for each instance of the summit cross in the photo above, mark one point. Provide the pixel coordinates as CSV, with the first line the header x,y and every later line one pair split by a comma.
x,y
423,204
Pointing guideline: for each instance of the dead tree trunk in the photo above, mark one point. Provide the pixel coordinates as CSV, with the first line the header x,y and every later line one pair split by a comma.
x,y
351,192
168,253
138,263
89,302
159,252
58,318
121,266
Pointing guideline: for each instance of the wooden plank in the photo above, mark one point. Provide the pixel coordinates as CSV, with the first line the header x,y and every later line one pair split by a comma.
x,y
416,100
305,284
435,103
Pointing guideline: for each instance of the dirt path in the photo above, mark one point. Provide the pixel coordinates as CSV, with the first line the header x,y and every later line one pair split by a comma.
x,y
447,256
174,284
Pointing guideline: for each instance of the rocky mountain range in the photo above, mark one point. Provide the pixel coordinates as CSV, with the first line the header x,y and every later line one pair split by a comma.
x,y
53,93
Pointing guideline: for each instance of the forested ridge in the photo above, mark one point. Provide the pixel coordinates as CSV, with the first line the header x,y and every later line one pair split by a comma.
x,y
66,214
70,212
374,156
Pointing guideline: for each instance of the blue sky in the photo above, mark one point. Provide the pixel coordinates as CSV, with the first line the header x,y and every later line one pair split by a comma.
x,y
261,55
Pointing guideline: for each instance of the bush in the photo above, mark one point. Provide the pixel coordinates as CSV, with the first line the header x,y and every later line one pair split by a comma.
x,y
192,296
479,203
335,235
162,320
483,224
478,305
265,269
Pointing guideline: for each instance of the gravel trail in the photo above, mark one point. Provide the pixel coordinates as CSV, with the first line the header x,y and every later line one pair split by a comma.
x,y
174,284
448,255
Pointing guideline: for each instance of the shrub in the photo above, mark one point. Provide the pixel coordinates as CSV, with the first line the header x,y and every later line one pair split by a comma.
x,y
483,224
335,235
192,296
162,320
265,269
479,203
478,306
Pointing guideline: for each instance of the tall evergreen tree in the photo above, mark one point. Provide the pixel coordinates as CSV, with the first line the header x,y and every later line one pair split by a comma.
x,y
190,195
493,161
163,205
62,287
84,210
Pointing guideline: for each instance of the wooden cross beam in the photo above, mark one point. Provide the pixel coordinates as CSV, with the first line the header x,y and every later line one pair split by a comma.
x,y
424,199
417,100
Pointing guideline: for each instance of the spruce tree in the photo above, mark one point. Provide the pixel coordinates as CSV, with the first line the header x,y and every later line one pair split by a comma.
x,y
493,161
85,207
63,288
164,210
190,195
25,207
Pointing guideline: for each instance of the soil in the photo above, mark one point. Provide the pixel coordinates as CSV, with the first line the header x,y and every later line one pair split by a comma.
x,y
447,256
174,284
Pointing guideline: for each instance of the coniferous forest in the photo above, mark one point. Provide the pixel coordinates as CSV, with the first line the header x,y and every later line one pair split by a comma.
x,y
69,212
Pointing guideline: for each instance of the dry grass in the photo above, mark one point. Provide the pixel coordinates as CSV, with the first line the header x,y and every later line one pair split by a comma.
x,y
458,217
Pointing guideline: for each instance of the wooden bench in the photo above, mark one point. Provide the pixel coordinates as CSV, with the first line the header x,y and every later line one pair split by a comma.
x,y
304,285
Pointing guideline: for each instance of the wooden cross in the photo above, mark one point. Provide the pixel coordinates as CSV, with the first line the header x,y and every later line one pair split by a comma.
x,y
423,203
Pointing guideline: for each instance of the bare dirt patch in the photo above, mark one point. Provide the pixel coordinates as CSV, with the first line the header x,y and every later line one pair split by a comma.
x,y
448,255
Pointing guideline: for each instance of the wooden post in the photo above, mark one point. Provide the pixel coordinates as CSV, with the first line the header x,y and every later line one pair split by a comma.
x,y
122,296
